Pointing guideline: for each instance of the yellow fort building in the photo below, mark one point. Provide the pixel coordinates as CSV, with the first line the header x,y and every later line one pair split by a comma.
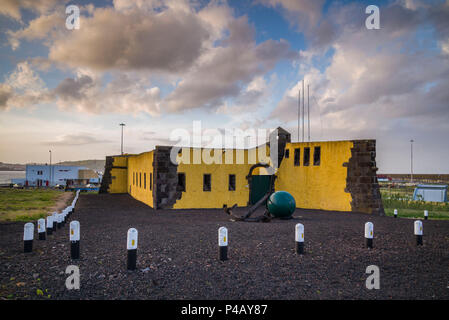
x,y
330,175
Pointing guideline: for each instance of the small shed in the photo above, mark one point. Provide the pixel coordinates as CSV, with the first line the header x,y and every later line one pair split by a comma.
x,y
431,192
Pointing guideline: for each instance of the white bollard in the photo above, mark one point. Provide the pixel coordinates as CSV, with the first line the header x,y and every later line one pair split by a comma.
x,y
369,234
223,243
55,221
28,236
395,213
299,237
418,232
132,248
62,218
49,225
426,214
75,239
59,220
41,228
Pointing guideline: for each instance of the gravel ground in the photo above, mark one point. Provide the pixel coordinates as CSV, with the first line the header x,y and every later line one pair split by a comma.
x,y
178,256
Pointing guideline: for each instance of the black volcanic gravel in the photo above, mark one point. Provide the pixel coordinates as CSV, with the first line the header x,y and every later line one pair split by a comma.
x,y
178,256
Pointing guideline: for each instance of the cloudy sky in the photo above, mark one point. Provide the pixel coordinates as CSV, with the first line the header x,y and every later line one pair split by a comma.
x,y
159,65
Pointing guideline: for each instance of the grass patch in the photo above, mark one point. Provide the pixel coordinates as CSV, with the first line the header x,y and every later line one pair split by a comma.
x,y
26,204
401,199
418,214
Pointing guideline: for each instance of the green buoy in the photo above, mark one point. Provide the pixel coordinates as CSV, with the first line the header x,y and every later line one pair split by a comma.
x,y
281,204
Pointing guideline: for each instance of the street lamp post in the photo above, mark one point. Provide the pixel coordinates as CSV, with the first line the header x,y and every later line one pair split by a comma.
x,y
411,160
121,147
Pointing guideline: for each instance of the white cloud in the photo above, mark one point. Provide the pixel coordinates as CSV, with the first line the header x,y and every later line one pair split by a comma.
x,y
208,54
12,8
375,80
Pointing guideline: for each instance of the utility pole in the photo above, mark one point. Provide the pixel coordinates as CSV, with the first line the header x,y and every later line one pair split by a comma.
x,y
308,111
411,160
303,95
299,110
121,146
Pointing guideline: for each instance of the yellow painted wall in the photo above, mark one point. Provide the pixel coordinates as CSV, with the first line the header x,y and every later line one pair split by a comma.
x,y
138,166
195,197
317,187
119,175
313,187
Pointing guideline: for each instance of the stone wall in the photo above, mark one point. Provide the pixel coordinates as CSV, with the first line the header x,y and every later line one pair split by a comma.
x,y
107,178
361,181
165,179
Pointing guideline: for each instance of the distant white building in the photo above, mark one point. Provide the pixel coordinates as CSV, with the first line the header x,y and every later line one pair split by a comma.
x,y
50,176
431,192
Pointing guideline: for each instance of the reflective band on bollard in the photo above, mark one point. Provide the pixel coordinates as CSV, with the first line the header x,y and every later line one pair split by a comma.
x,y
395,213
418,232
426,214
75,239
41,228
369,234
223,243
49,225
132,248
299,238
28,236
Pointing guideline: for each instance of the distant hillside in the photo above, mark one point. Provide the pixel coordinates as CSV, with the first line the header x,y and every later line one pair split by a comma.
x,y
97,165
11,167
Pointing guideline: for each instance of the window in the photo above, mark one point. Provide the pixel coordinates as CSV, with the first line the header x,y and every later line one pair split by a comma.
x,y
317,156
306,156
232,182
151,181
297,156
181,182
145,180
287,153
39,172
140,179
206,182
134,178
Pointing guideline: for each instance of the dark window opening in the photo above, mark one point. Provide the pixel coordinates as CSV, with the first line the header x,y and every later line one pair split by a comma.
x,y
232,182
145,180
140,179
151,181
134,178
181,182
297,156
206,182
317,156
306,161
287,153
